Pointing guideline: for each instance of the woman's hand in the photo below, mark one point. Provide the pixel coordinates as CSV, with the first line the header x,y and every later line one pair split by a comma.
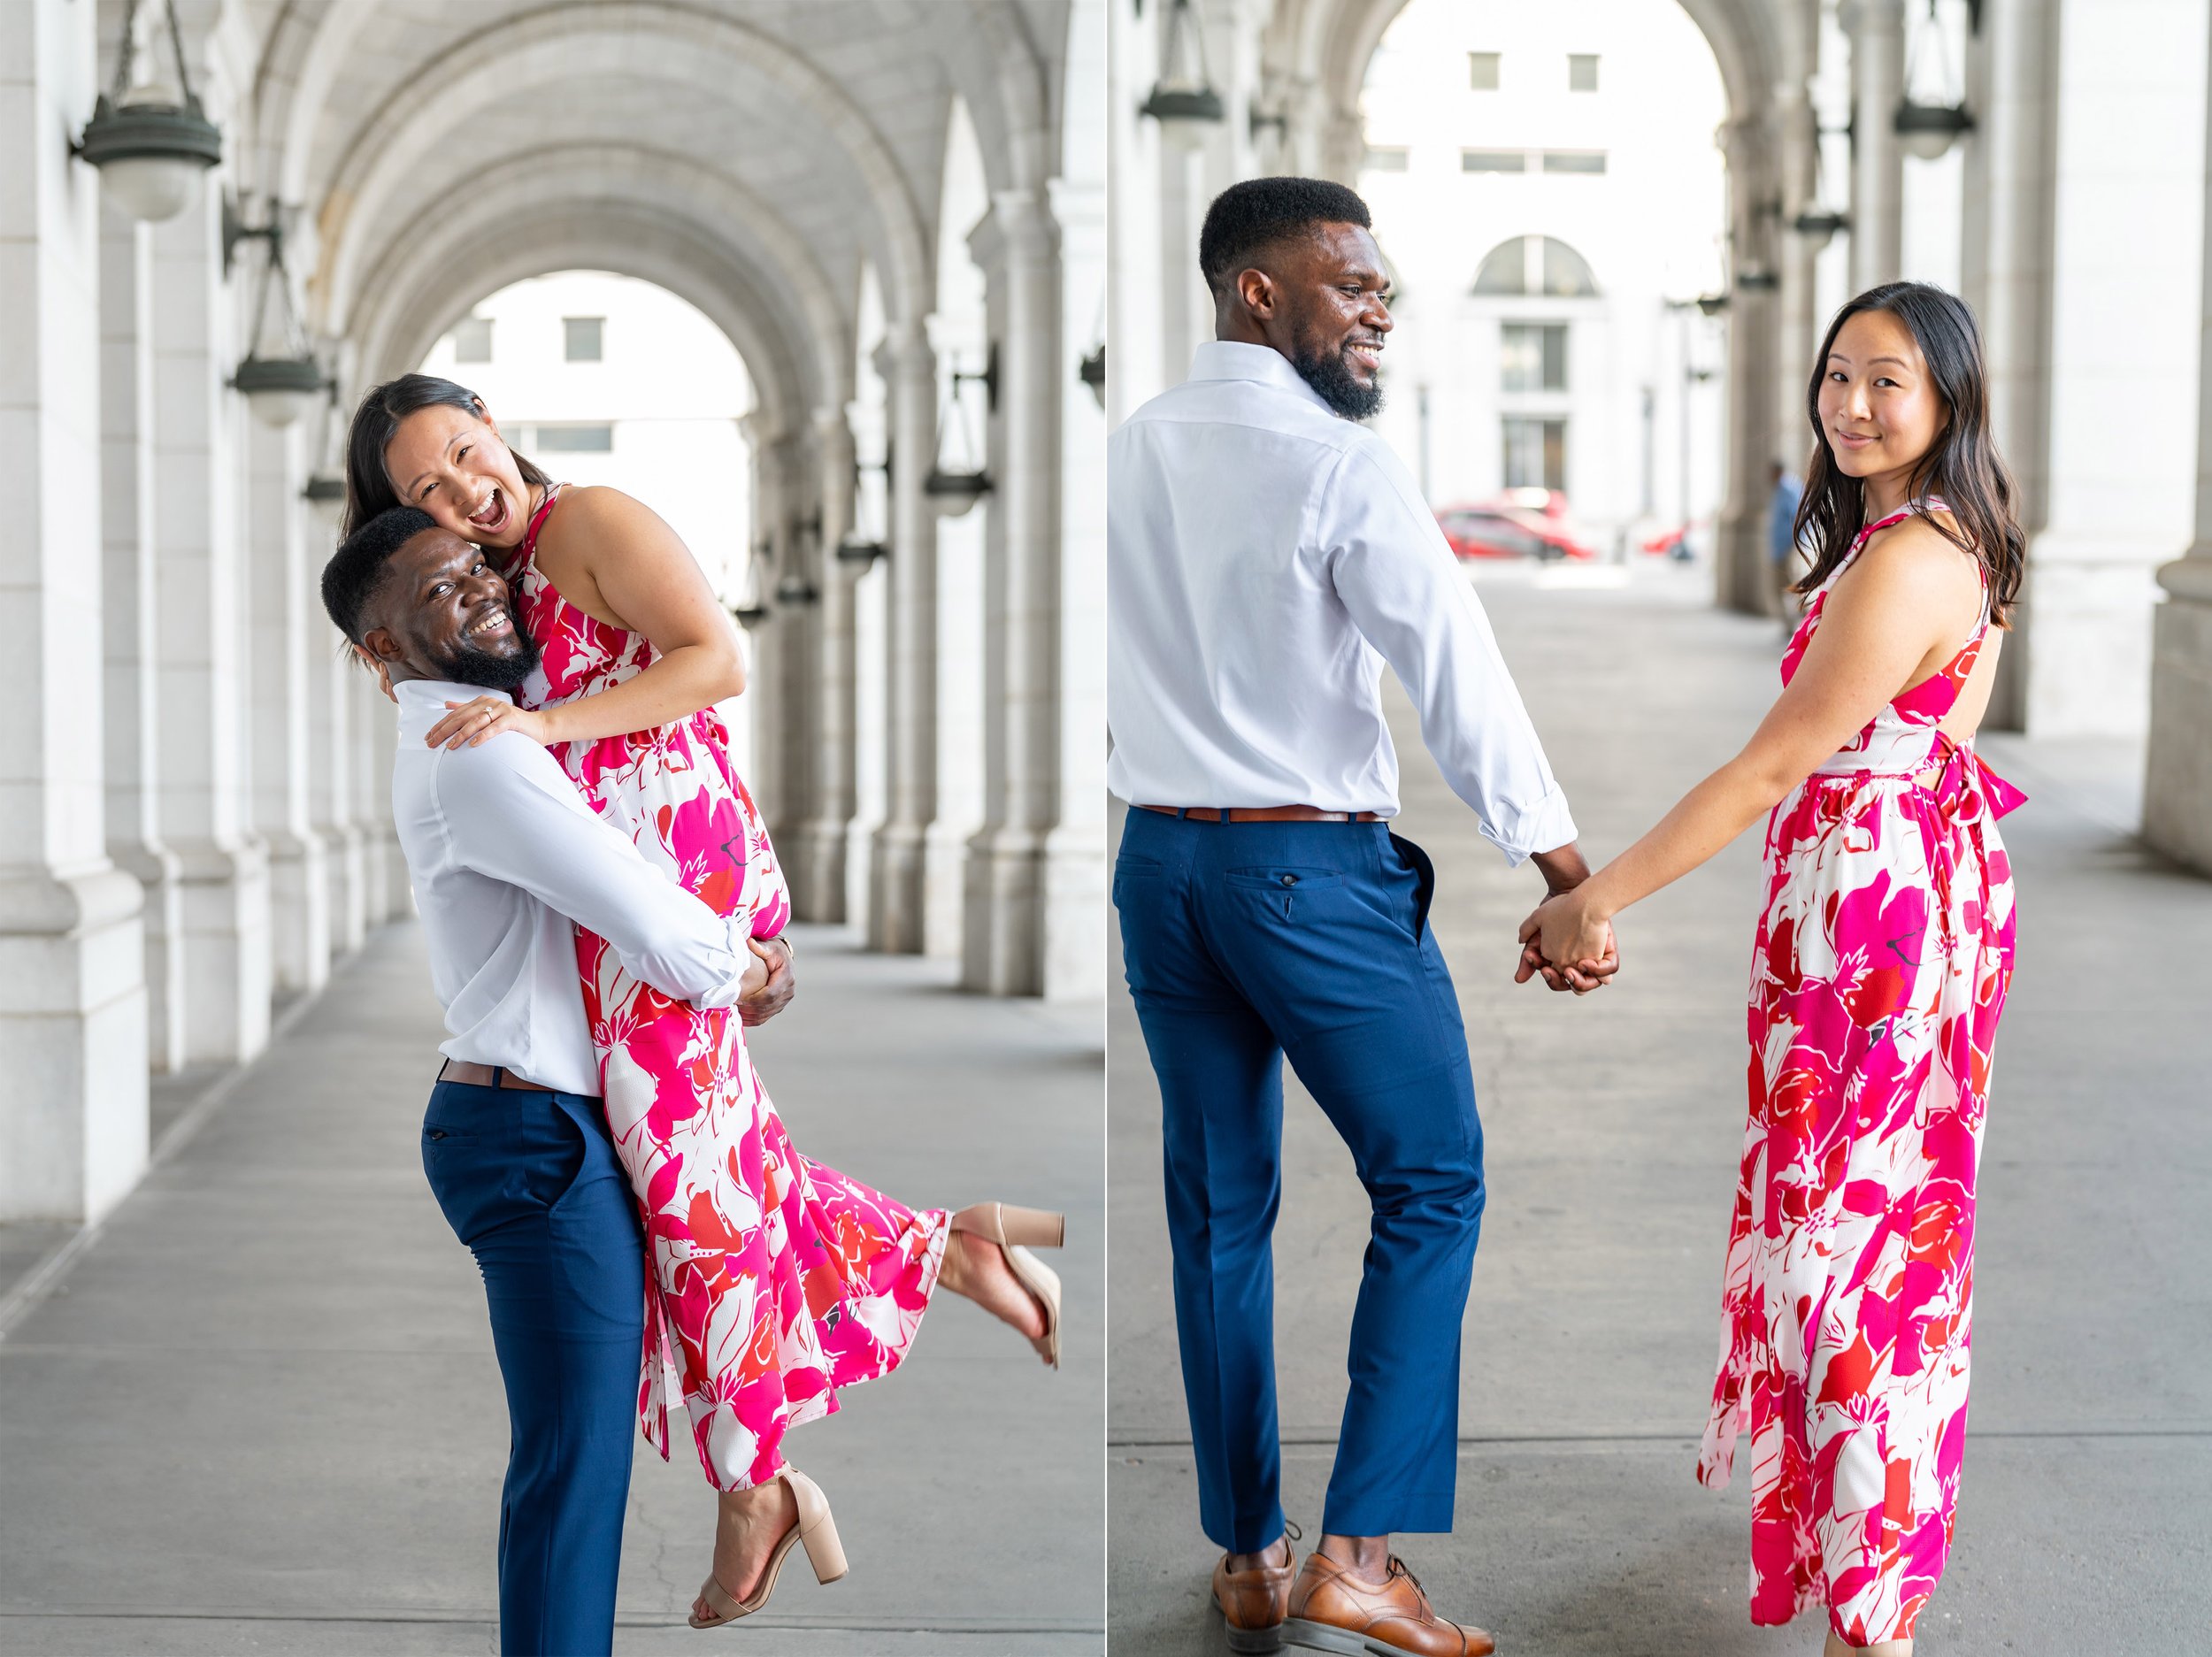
x,y
471,724
1566,938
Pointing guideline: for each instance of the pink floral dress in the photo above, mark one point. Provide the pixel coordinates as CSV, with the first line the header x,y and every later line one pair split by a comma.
x,y
1882,960
775,1280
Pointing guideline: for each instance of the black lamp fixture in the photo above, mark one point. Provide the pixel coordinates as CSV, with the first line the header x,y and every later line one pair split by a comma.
x,y
1092,372
1819,223
1183,99
859,550
325,488
749,613
279,384
962,488
1929,130
151,142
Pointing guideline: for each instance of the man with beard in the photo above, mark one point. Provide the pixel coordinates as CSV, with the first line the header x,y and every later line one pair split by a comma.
x,y
1266,556
506,860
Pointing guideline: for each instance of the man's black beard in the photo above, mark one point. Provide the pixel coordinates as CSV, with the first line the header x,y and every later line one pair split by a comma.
x,y
1333,380
468,665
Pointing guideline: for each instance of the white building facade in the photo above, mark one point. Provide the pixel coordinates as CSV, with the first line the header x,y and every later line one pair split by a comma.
x,y
193,815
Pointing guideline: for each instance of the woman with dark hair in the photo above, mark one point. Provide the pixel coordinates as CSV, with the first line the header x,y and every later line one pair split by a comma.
x,y
1882,959
778,1280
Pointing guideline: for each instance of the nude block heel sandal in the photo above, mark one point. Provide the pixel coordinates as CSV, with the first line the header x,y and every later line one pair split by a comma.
x,y
1015,1232
816,1532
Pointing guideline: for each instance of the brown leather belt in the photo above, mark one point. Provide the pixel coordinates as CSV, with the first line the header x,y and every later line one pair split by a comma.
x,y
1266,814
473,1075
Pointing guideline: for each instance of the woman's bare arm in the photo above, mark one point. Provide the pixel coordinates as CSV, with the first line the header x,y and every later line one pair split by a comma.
x,y
1910,597
642,577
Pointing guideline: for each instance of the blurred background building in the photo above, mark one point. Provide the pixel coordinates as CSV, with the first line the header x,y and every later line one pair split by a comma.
x,y
1619,228
820,280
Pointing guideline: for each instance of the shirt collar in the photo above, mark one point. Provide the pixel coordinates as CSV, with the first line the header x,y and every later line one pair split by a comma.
x,y
1262,365
422,703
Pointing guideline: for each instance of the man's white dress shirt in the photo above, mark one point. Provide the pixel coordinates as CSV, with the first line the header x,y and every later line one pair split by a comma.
x,y
504,856
1265,558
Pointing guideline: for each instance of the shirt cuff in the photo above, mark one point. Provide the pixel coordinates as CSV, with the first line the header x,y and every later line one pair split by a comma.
x,y
1544,826
725,995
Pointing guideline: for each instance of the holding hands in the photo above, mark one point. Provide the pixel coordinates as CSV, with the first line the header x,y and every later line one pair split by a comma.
x,y
1567,941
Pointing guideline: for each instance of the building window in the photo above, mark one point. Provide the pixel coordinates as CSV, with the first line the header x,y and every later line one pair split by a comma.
x,y
585,341
472,339
1493,161
1574,161
1582,72
1386,158
573,439
1482,71
1535,454
1532,357
1535,264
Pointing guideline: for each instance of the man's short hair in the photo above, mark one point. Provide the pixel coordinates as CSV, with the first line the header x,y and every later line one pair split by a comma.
x,y
357,570
1249,218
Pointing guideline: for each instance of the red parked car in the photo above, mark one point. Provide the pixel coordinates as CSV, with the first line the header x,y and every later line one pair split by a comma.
x,y
1502,531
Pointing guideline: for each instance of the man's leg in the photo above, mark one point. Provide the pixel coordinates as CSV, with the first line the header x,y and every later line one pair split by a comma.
x,y
1221,1097
1327,929
530,1182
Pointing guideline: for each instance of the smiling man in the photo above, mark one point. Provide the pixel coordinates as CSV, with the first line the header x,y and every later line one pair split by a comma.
x,y
506,860
1266,554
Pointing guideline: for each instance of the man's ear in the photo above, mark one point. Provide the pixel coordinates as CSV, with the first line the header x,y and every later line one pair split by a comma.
x,y
1256,290
377,647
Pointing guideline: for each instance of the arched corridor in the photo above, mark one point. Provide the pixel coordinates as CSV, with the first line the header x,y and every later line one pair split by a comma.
x,y
2068,206
196,824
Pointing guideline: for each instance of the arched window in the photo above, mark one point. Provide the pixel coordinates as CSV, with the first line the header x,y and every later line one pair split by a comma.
x,y
1535,264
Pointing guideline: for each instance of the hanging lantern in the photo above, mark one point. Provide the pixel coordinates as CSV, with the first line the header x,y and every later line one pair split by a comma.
x,y
282,384
1819,225
151,142
960,488
326,492
856,548
1928,128
1183,100
1092,372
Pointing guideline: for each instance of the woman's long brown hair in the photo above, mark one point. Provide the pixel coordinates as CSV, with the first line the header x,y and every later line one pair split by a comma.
x,y
368,485
1962,467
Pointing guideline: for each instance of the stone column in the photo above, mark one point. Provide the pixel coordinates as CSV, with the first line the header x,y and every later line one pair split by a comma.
x,y
200,610
366,759
2007,266
335,709
1876,28
73,1115
1798,318
1074,952
1003,937
132,709
279,606
2125,284
1741,574
767,643
822,896
896,905
2177,781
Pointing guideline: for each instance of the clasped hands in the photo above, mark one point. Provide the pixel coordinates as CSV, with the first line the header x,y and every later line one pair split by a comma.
x,y
1568,944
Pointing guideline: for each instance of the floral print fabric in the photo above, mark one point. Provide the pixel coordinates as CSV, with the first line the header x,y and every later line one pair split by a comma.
x,y
1882,960
775,1280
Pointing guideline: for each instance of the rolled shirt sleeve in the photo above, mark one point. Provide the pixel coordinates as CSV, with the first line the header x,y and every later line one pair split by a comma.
x,y
1398,580
510,813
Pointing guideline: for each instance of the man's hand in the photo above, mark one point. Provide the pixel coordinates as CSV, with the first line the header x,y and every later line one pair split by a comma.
x,y
1592,956
772,957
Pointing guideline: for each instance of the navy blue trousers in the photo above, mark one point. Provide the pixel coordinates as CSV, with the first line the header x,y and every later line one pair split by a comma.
x,y
1244,942
530,1182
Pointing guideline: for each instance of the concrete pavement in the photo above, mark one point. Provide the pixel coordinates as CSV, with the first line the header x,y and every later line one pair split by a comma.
x,y
260,1412
1612,1127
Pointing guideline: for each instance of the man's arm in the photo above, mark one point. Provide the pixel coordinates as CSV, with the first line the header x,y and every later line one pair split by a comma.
x,y
1403,589
512,813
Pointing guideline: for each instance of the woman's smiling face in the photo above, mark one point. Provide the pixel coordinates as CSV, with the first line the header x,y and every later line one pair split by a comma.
x,y
1879,408
453,465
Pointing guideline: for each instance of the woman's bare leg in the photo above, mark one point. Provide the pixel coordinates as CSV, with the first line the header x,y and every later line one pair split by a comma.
x,y
748,1525
976,1270
1836,1647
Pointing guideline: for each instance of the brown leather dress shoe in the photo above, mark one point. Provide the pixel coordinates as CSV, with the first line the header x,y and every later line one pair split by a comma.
x,y
1253,1602
1331,1610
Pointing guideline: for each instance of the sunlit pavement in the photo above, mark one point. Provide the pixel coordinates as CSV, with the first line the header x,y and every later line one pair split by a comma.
x,y
1612,1127
261,1412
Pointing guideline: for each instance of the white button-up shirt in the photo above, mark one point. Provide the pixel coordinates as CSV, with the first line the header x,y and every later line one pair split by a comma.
x,y
1265,558
504,856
